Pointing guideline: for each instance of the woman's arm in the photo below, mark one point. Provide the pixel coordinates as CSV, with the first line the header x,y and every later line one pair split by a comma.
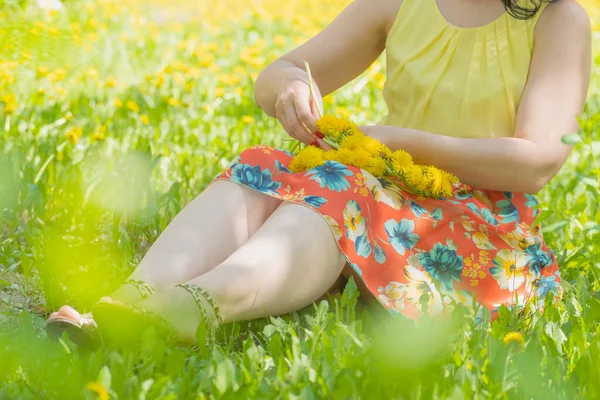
x,y
554,96
338,54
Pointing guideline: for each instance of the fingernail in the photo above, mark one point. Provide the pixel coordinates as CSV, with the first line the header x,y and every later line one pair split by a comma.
x,y
316,143
319,135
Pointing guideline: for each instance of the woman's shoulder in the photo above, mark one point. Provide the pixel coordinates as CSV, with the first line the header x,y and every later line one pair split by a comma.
x,y
564,15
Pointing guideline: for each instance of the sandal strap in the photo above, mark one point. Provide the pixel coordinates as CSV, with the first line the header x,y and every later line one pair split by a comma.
x,y
142,287
87,319
202,298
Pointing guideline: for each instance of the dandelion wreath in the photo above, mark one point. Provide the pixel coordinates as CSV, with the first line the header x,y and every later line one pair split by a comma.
x,y
352,147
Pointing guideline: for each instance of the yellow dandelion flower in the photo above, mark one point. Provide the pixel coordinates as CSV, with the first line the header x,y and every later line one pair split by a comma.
x,y
376,167
514,337
309,157
219,92
372,145
144,118
118,103
99,133
450,177
361,158
132,105
413,175
446,188
401,161
91,73
111,82
173,101
160,80
247,119
74,134
57,75
334,127
352,142
279,40
41,71
434,178
10,103
343,156
99,390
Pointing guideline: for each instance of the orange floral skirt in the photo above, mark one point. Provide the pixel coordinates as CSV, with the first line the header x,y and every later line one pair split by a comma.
x,y
417,255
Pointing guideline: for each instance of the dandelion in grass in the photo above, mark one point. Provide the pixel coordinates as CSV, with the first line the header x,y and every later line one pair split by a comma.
x,y
74,134
514,338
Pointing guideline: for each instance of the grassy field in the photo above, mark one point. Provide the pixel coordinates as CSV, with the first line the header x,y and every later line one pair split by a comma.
x,y
113,115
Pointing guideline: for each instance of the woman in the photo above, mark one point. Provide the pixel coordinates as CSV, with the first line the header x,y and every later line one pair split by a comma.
x,y
481,88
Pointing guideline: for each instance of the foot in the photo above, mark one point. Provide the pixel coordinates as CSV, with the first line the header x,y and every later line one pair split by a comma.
x,y
70,314
81,328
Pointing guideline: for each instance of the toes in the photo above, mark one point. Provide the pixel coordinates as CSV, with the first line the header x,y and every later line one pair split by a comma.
x,y
69,312
54,315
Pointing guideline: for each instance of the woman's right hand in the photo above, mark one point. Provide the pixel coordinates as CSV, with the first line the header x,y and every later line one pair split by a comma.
x,y
297,112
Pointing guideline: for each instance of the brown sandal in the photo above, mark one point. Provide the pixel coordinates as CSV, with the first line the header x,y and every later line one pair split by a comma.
x,y
85,332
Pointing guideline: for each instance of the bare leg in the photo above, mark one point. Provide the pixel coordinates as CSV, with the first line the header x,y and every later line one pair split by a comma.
x,y
290,262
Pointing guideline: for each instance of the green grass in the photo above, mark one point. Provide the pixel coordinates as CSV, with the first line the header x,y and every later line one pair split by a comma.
x,y
88,181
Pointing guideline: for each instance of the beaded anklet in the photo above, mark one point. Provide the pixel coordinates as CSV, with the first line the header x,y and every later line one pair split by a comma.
x,y
201,297
142,287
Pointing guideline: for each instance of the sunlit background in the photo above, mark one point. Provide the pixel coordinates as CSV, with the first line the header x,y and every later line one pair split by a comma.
x,y
115,114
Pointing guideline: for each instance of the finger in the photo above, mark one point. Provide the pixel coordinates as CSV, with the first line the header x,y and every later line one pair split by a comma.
x,y
296,126
305,115
280,113
324,145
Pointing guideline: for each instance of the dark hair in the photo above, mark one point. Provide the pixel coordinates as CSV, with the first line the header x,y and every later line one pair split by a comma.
x,y
520,12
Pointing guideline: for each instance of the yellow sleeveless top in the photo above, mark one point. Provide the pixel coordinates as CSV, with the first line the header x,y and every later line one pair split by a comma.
x,y
464,82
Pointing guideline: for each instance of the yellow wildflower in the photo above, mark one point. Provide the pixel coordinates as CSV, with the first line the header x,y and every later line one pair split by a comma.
x,y
413,175
41,71
279,40
111,82
91,73
118,103
10,103
74,134
450,177
247,119
376,167
144,118
343,156
173,101
99,390
401,161
361,158
372,145
309,157
99,133
57,75
219,92
334,127
352,142
514,337
132,105
434,178
160,80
